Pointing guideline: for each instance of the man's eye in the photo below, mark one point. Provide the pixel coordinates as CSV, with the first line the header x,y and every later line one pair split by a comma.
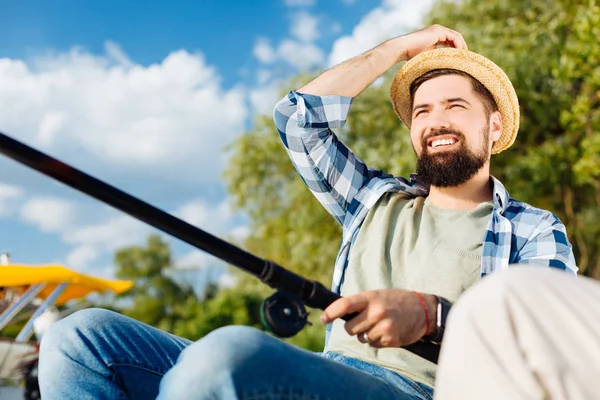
x,y
419,112
456,105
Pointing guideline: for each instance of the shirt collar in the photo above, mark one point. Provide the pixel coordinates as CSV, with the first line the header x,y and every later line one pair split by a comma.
x,y
501,195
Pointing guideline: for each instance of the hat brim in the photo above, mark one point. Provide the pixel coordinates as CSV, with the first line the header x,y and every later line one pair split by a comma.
x,y
476,65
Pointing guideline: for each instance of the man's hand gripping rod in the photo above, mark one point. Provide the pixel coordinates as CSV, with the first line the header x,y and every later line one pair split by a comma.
x,y
283,313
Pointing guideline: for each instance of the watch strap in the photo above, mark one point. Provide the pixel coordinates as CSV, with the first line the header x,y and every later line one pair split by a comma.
x,y
443,308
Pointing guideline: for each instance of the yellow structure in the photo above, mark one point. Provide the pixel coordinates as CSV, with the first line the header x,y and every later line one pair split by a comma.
x,y
78,285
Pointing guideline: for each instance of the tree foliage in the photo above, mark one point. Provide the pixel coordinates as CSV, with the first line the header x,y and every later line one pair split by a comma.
x,y
160,300
156,298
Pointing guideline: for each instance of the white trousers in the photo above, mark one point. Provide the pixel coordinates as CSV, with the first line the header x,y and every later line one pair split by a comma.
x,y
526,333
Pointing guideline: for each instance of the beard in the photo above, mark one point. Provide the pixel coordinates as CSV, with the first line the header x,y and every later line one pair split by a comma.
x,y
451,168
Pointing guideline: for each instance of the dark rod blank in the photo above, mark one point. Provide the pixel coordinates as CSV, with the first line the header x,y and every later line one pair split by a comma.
x,y
313,293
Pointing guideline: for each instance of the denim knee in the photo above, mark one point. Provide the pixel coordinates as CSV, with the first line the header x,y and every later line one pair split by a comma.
x,y
64,333
219,361
228,347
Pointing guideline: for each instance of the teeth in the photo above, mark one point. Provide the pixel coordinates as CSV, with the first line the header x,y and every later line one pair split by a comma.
x,y
442,142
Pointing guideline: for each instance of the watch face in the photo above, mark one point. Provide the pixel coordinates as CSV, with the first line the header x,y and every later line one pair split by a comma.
x,y
445,309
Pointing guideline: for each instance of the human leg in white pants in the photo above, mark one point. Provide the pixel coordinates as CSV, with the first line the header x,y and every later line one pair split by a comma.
x,y
526,333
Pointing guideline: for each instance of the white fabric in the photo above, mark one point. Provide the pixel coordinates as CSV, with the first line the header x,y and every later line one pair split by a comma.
x,y
525,333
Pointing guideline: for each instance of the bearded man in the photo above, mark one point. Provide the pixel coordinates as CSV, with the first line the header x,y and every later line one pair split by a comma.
x,y
409,248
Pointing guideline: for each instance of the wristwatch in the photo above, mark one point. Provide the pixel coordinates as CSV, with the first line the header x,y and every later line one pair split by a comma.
x,y
443,308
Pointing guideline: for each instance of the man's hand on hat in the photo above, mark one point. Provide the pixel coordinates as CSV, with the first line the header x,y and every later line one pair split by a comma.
x,y
354,75
386,318
427,39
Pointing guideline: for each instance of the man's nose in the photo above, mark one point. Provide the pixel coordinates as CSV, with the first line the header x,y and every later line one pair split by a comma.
x,y
437,120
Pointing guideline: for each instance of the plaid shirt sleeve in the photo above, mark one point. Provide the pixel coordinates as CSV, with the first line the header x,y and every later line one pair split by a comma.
x,y
548,245
330,170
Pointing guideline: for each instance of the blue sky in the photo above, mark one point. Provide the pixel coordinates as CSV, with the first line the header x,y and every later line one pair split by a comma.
x,y
223,30
145,95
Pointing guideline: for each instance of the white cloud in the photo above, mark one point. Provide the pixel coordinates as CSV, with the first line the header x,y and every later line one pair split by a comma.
x,y
194,260
297,50
227,280
299,3
51,123
81,256
92,237
9,196
104,271
49,214
115,52
393,18
198,268
213,218
300,55
264,76
239,233
263,98
109,235
82,107
305,27
264,52
122,230
216,219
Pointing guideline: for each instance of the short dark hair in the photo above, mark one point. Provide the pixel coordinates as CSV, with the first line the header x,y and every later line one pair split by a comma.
x,y
484,95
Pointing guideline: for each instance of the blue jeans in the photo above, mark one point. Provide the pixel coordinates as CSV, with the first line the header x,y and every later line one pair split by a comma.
x,y
98,354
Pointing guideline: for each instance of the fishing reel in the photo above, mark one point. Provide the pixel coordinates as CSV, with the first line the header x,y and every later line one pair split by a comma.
x,y
284,314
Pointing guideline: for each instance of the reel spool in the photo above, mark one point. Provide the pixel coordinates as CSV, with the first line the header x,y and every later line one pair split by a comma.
x,y
284,314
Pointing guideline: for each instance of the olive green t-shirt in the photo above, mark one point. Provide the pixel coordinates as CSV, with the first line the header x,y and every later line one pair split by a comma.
x,y
408,243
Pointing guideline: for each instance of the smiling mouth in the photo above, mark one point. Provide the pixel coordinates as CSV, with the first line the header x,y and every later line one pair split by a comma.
x,y
441,143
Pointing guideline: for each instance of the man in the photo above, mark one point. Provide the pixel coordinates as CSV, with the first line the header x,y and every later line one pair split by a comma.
x,y
409,249
438,233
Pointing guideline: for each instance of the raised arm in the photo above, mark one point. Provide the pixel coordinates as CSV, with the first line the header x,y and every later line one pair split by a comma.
x,y
305,118
353,76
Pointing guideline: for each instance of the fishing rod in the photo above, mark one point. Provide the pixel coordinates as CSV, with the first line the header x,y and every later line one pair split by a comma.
x,y
283,314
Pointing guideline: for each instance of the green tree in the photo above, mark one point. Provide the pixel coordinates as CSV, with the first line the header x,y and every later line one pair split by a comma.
x,y
156,298
227,307
167,303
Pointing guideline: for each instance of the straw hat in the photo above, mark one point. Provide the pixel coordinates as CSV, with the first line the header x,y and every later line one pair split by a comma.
x,y
479,67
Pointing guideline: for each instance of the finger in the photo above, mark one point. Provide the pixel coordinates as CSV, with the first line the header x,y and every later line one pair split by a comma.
x,y
464,43
461,39
361,338
343,306
375,335
450,38
361,323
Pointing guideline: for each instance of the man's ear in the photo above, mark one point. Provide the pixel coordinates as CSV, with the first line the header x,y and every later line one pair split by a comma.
x,y
495,126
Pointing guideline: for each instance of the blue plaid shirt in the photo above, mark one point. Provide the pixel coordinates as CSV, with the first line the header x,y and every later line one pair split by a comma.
x,y
348,189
